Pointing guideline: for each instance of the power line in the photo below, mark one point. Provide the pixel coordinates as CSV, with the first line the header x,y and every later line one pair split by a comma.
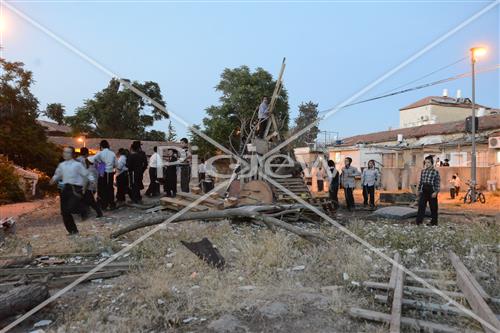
x,y
426,75
453,78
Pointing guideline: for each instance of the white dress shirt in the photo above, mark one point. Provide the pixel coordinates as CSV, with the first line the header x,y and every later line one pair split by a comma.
x,y
121,165
72,172
107,157
155,161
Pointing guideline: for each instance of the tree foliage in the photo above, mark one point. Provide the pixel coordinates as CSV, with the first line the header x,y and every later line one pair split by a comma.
x,y
241,93
115,112
55,111
10,190
308,113
171,133
22,139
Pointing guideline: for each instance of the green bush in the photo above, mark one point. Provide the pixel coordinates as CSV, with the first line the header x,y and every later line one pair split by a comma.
x,y
10,190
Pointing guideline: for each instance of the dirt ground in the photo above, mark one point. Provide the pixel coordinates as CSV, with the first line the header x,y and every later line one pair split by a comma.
x,y
272,282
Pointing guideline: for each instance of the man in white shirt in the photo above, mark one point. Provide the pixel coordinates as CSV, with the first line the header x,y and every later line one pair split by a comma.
x,y
106,163
155,164
74,177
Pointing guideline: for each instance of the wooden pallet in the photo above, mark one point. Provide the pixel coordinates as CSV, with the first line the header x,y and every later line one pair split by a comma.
x,y
470,290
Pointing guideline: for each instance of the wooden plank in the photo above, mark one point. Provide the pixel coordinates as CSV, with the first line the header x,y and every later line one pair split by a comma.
x,y
64,269
180,203
478,275
59,282
412,280
411,289
473,294
395,325
427,306
406,321
207,201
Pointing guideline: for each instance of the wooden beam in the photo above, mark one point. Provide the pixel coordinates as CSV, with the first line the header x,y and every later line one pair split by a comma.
x,y
405,321
63,269
427,306
474,294
392,279
395,325
411,289
207,201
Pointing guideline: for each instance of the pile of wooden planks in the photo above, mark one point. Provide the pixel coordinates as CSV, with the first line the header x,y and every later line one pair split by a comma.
x,y
26,281
184,199
467,284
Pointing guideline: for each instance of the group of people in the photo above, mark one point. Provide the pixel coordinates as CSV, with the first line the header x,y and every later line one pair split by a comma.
x,y
370,179
428,186
80,177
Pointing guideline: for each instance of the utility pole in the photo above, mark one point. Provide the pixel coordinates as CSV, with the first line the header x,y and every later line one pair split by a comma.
x,y
474,52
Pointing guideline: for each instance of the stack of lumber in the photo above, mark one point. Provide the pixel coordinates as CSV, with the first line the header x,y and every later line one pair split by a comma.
x,y
184,199
26,281
399,297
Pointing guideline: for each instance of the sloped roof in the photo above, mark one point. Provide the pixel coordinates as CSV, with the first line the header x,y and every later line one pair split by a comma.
x,y
54,127
115,144
442,100
486,123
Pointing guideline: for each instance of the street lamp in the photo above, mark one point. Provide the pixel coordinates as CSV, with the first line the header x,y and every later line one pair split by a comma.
x,y
82,140
475,52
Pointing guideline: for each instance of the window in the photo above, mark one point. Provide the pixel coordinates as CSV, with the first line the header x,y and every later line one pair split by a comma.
x,y
482,158
498,156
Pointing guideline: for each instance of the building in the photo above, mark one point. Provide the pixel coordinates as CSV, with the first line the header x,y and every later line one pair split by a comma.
x,y
434,125
54,129
93,143
438,110
400,153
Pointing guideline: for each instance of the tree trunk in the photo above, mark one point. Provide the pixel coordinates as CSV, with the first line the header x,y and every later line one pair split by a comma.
x,y
22,299
251,212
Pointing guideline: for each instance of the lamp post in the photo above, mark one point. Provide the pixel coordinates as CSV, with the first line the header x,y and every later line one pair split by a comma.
x,y
82,140
474,53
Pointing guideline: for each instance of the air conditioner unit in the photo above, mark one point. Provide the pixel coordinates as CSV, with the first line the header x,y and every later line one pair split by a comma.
x,y
494,142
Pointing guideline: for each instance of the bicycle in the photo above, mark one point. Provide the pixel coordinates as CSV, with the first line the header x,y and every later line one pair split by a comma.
x,y
479,195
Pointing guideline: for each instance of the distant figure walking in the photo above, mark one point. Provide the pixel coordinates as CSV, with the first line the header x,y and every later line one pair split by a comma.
x,y
105,187
185,163
428,190
155,164
370,179
348,181
333,179
74,178
263,117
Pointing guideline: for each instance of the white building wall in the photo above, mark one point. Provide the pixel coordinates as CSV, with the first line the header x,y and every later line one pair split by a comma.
x,y
431,114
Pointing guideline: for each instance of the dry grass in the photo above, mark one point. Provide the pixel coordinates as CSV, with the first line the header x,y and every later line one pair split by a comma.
x,y
157,297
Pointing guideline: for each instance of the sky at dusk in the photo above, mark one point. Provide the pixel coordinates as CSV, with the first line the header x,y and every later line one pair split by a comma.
x,y
333,49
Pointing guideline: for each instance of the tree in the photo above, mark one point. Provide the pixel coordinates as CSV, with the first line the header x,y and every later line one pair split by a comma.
x,y
120,113
229,123
171,134
308,113
22,139
55,111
